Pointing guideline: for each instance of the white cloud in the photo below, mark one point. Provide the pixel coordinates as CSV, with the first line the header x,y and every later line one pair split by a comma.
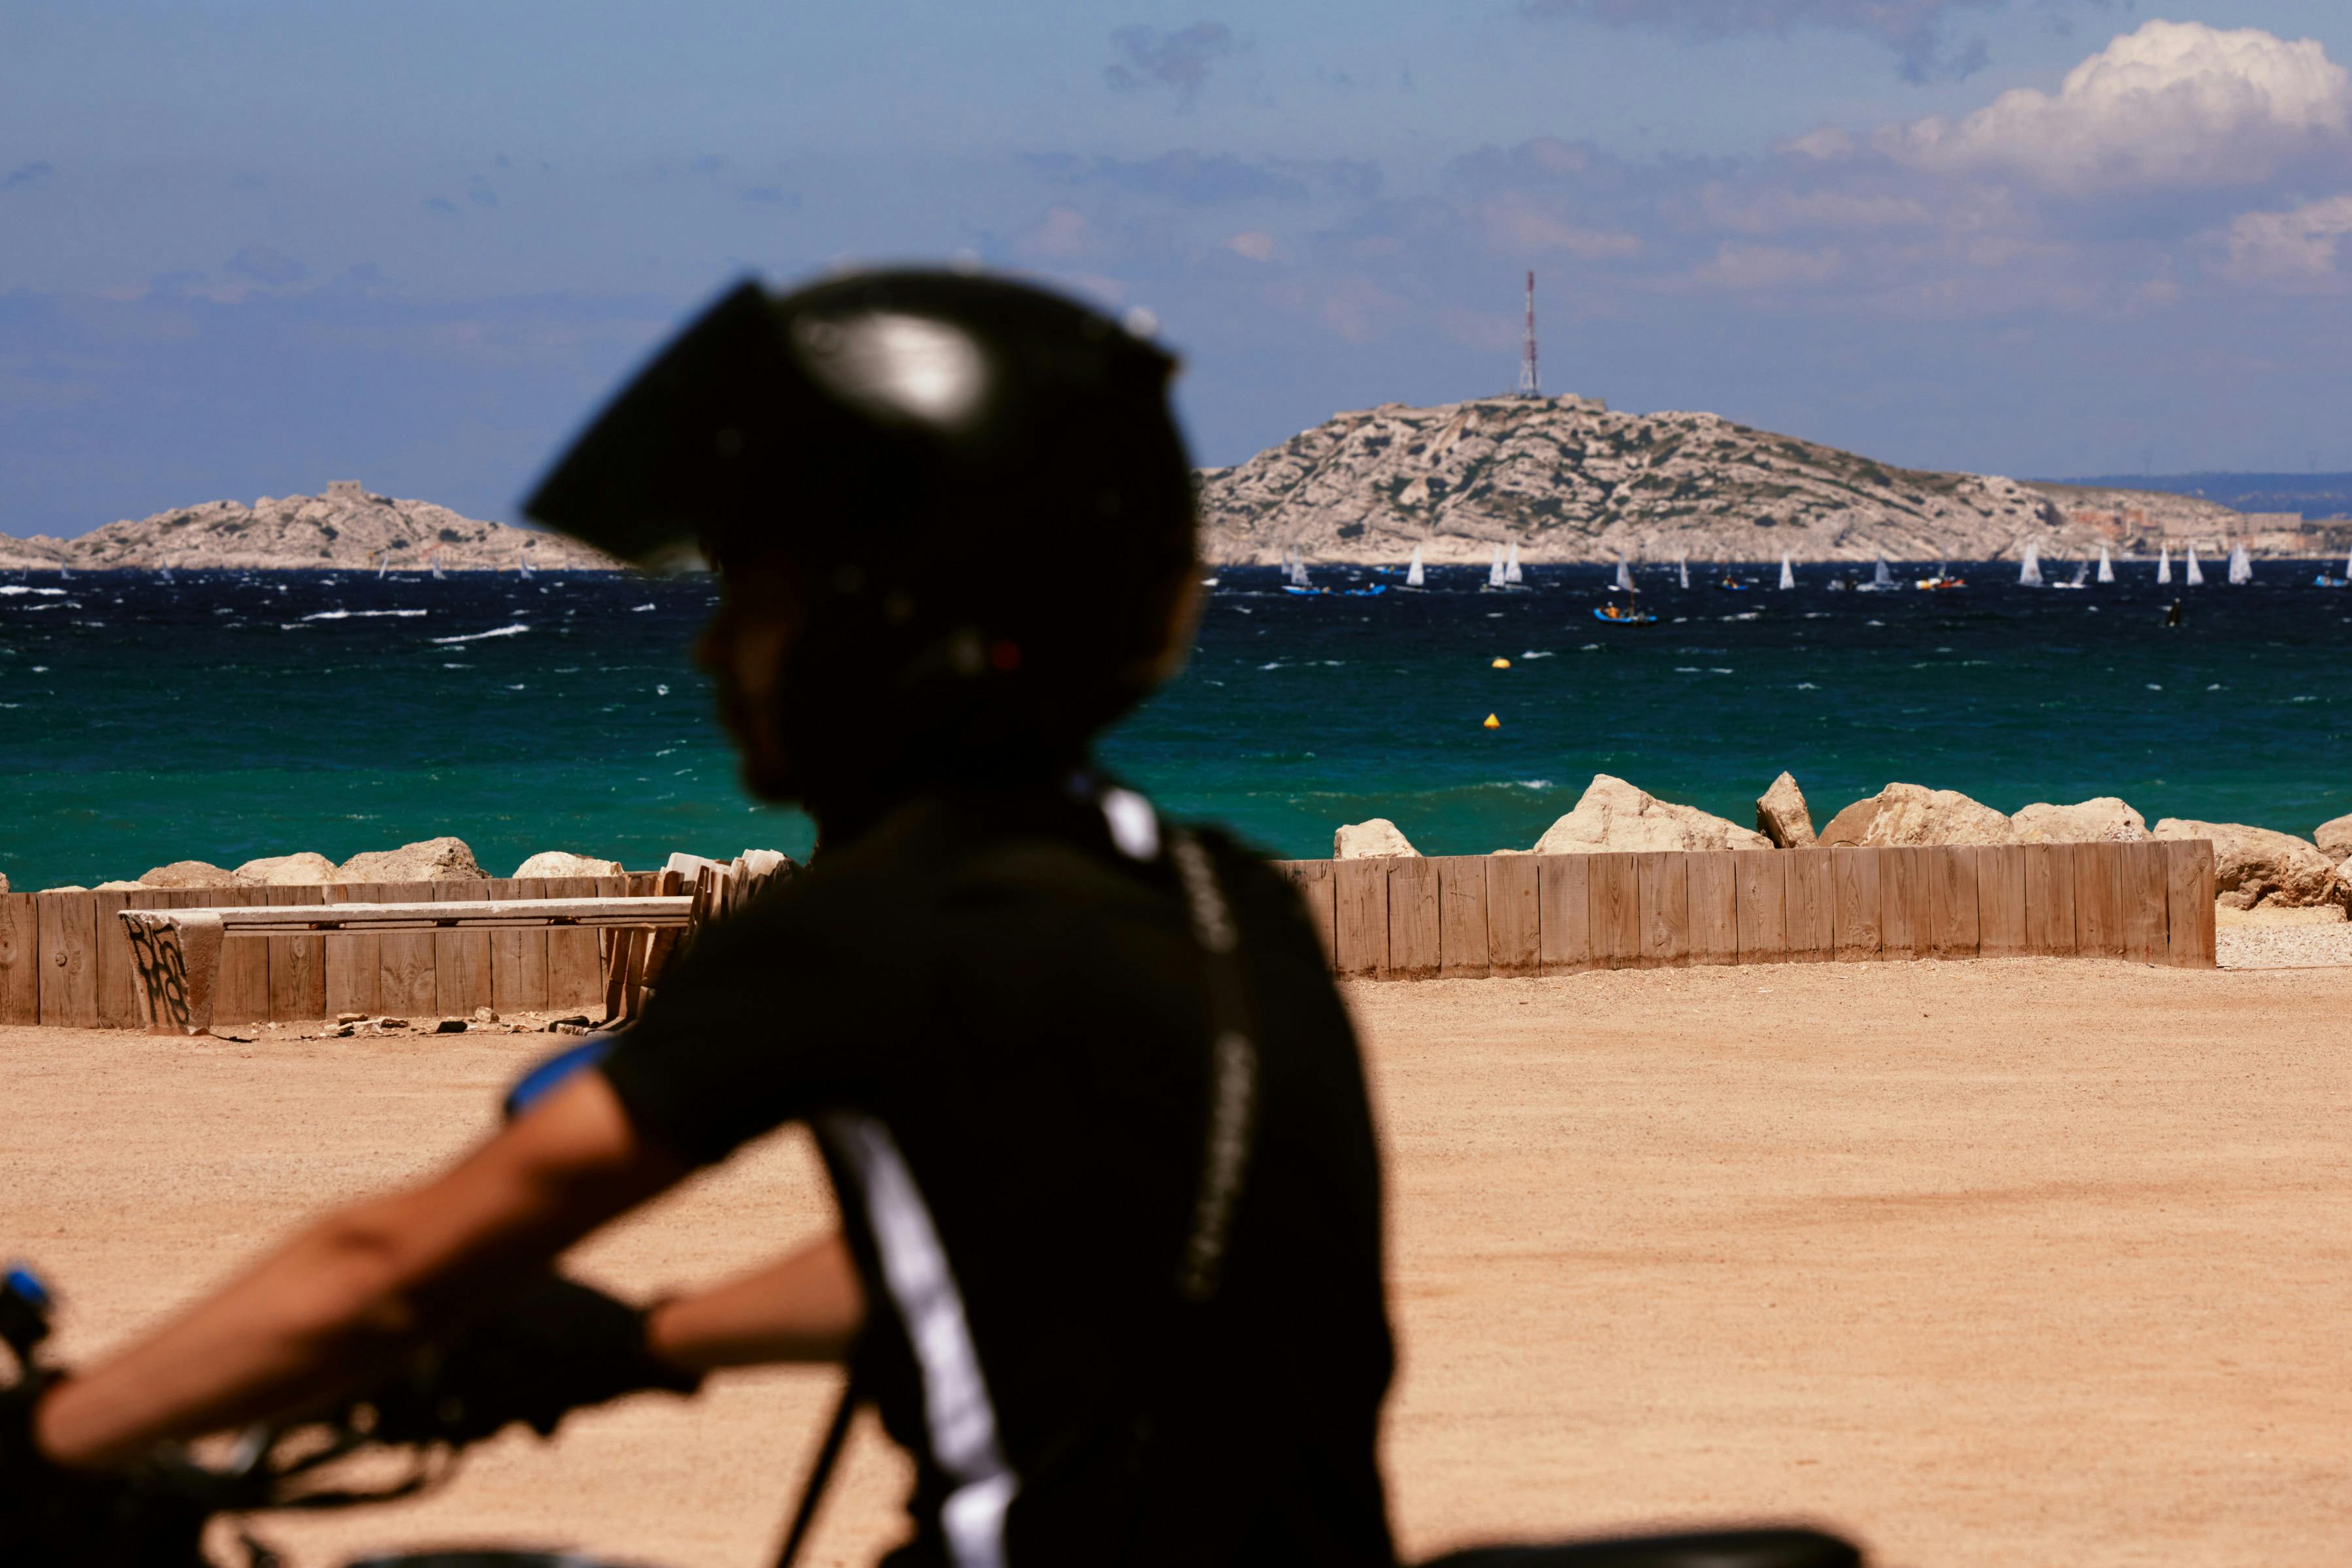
x,y
1751,268
2173,103
1063,232
1827,144
1514,222
2296,247
1775,211
1251,243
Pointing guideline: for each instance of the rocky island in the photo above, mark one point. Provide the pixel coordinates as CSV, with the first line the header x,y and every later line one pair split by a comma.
x,y
1567,478
347,528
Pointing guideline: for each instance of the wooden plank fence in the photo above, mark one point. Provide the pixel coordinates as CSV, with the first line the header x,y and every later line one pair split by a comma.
x,y
1465,916
63,958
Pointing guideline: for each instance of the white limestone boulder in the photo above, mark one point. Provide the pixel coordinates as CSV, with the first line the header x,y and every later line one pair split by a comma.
x,y
560,863
1904,813
427,860
1377,839
1783,817
2257,869
2101,820
189,874
1613,815
305,868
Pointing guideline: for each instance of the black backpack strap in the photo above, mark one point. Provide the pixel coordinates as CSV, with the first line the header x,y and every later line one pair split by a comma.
x,y
1232,1073
1224,1166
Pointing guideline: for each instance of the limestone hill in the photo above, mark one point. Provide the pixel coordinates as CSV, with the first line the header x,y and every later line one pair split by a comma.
x,y
346,529
1567,479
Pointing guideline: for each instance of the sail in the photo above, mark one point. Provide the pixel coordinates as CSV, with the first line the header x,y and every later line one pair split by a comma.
x,y
2106,567
2082,571
1511,565
2241,567
1682,567
1625,575
1413,572
2164,564
2192,575
1495,572
1882,578
1788,572
2029,570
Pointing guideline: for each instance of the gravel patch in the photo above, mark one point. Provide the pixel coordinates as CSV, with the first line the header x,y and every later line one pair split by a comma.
x,y
2283,946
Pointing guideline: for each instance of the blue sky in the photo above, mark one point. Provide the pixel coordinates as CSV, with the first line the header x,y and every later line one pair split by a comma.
x,y
247,249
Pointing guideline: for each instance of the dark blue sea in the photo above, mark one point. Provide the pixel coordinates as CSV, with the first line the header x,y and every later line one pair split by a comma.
x,y
221,716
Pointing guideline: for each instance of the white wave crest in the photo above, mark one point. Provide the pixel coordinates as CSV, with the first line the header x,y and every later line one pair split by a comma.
x,y
515,630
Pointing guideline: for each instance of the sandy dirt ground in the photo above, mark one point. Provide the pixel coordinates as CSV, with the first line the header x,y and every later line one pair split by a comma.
x,y
2028,1262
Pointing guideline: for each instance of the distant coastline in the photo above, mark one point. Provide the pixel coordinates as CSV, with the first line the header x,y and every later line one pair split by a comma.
x,y
1563,479
1567,478
345,528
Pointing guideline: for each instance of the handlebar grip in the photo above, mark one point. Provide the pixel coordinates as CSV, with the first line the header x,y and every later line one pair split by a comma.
x,y
25,1311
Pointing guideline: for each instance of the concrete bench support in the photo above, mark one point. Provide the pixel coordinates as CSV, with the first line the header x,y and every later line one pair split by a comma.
x,y
175,967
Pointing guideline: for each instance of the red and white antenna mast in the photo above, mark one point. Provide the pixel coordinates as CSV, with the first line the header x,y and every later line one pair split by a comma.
x,y
1530,384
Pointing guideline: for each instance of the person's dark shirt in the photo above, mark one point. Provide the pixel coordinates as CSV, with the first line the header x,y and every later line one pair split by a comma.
x,y
995,1018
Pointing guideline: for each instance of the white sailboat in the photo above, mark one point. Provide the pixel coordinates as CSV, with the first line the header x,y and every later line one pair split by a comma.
x,y
1788,572
435,563
1682,570
1413,576
2242,567
2106,567
1882,581
1625,576
2192,575
522,565
2029,570
2164,564
1495,571
382,561
2082,573
1511,565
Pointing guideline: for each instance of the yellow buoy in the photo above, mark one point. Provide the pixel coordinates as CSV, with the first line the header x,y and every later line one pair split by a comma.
x,y
1493,722
1500,664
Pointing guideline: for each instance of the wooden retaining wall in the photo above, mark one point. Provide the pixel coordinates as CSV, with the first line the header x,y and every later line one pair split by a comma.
x,y
1470,915
64,959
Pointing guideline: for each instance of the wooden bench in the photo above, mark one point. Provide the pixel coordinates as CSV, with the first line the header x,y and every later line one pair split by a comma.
x,y
176,953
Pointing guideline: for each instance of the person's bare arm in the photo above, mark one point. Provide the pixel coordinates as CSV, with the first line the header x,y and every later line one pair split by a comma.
x,y
357,1288
807,1306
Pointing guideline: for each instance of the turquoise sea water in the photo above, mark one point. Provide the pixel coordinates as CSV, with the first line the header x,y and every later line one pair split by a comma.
x,y
222,716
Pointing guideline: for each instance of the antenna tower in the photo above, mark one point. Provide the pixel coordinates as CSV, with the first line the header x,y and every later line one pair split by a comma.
x,y
1530,383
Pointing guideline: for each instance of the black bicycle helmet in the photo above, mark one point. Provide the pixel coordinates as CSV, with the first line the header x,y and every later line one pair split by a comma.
x,y
976,481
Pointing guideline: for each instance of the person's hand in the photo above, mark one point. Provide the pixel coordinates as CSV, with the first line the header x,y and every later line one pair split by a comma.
x,y
549,1350
54,1516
